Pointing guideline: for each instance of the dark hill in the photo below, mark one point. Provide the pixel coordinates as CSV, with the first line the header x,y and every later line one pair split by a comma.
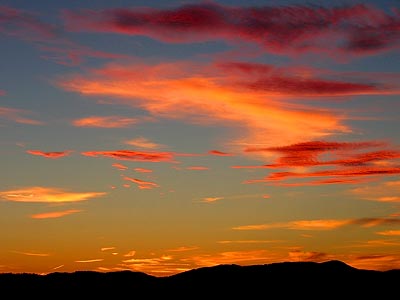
x,y
327,280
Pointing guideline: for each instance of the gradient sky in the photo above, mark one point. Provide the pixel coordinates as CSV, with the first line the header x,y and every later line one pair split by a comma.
x,y
162,136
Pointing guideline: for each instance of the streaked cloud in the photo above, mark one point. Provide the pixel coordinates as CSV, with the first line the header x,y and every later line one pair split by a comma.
x,y
130,253
197,168
55,214
323,224
184,249
105,122
389,232
145,156
107,248
58,267
17,116
211,199
142,184
219,153
388,191
248,241
352,29
142,142
89,260
54,154
46,195
120,166
32,253
143,170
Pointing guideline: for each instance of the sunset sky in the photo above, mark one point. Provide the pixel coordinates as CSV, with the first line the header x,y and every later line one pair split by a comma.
x,y
162,136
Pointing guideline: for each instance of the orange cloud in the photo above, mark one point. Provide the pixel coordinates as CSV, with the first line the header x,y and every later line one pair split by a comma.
x,y
198,168
107,248
55,214
18,116
184,249
105,122
211,199
46,195
142,142
141,183
133,155
170,90
89,260
32,253
389,232
219,153
143,170
56,154
321,224
120,166
388,191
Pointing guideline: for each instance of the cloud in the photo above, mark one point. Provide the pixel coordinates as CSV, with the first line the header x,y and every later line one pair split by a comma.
x,y
197,168
143,170
17,116
89,260
142,184
384,192
353,29
219,153
211,199
120,166
130,253
184,249
46,195
189,92
321,224
2,92
389,232
55,214
32,253
24,25
56,154
107,248
145,156
105,122
142,142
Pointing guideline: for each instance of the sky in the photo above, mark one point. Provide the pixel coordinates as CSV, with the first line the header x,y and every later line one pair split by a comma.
x,y
163,136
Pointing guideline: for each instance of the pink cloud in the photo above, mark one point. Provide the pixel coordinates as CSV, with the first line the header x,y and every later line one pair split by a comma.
x,y
105,122
18,116
54,154
197,168
352,29
143,170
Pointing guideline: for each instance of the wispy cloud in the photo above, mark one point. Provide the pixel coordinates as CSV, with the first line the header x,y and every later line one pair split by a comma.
x,y
172,91
89,260
47,195
120,166
54,154
211,199
388,191
143,170
145,156
18,116
32,253
107,248
389,232
142,184
353,29
323,224
197,168
142,142
105,122
55,214
219,153
184,249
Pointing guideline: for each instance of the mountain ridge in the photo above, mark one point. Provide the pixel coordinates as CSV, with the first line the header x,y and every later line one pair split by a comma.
x,y
286,278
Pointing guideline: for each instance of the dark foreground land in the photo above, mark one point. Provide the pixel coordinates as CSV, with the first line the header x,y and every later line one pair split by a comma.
x,y
286,280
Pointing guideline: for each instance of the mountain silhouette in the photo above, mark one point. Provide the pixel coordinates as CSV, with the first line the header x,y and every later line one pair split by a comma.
x,y
325,280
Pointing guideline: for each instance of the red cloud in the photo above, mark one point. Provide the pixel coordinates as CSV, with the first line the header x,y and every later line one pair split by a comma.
x,y
56,154
133,155
197,168
142,170
120,167
141,183
351,29
219,153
